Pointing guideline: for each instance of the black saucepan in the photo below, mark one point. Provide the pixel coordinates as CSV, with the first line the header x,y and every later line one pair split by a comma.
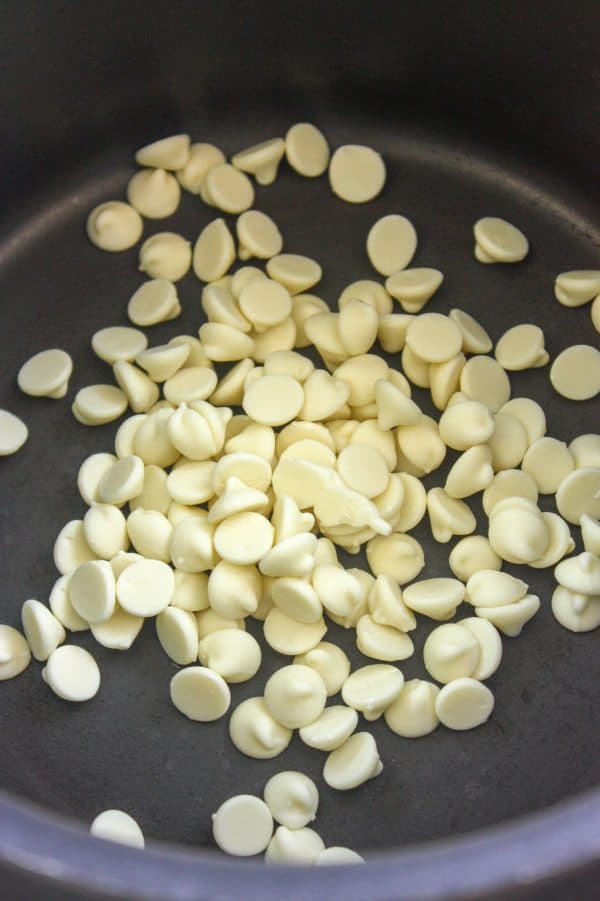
x,y
479,109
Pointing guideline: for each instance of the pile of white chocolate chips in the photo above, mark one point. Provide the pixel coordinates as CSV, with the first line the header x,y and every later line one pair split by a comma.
x,y
204,516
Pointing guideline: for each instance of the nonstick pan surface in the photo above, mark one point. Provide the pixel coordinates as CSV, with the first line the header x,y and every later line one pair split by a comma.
x,y
129,747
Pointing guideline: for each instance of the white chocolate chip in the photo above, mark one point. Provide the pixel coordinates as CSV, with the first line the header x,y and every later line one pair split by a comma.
x,y
509,483
209,622
391,244
114,226
518,534
46,374
163,361
294,846
521,347
214,251
154,301
448,516
499,241
382,642
437,598
99,404
330,662
255,732
464,704
590,534
307,150
154,193
190,545
530,415
580,574
118,342
363,469
548,461
433,337
150,533
579,494
475,338
63,609
202,157
242,826
595,312
295,695
354,762
371,689
565,611
415,368
560,541
298,599
510,618
471,554
413,287
420,447
451,652
167,153
412,714
330,729
165,255
43,631
258,236
200,694
119,632
578,287
575,372
274,400
141,392
585,450
236,498
465,425
287,636
72,674
356,173
358,324
489,588
233,654
471,472
191,591
15,654
244,538
13,433
490,646
146,587
337,855
509,442
370,292
398,556
223,343
292,798
190,383
261,160
295,272
228,189
70,548
177,632
92,591
483,379
117,826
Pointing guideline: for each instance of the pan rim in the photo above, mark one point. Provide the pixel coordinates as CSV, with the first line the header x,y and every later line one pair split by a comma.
x,y
515,855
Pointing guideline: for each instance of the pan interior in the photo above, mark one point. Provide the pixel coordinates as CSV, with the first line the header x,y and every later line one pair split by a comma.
x,y
129,747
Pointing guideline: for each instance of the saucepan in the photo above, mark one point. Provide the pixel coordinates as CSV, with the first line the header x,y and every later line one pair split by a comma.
x,y
478,109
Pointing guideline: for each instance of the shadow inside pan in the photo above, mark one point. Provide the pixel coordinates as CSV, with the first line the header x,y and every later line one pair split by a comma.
x,y
129,747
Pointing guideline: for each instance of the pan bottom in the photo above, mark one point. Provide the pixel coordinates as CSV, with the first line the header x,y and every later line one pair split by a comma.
x,y
130,748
